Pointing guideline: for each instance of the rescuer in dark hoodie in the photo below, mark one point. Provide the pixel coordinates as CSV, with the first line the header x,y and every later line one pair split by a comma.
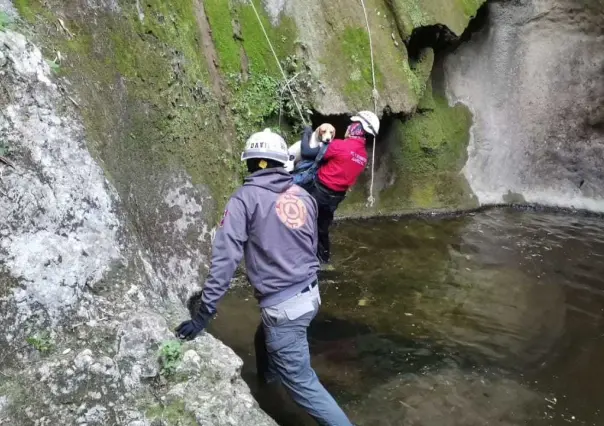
x,y
274,222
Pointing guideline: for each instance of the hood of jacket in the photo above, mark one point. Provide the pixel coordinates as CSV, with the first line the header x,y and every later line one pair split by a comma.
x,y
277,180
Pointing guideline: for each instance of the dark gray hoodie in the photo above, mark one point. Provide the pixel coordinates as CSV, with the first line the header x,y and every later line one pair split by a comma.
x,y
275,223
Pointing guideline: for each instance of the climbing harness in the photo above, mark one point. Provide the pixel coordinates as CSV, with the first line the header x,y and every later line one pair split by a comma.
x,y
374,93
278,63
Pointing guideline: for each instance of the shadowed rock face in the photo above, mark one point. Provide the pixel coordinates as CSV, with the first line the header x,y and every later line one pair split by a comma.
x,y
534,79
84,291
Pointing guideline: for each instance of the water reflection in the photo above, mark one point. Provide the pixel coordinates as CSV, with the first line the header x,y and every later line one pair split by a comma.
x,y
492,318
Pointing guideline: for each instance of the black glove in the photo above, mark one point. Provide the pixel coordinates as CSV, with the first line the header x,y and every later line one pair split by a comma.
x,y
188,330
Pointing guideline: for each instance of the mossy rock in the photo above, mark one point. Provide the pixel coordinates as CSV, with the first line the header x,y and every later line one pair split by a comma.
x,y
424,158
332,38
151,102
454,14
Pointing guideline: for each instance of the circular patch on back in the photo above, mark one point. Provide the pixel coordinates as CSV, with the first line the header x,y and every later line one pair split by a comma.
x,y
290,208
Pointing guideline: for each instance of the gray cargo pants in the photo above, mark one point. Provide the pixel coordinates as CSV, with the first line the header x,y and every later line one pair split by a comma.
x,y
282,354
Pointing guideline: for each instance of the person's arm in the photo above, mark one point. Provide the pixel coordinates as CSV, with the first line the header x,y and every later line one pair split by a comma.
x,y
332,150
306,151
227,252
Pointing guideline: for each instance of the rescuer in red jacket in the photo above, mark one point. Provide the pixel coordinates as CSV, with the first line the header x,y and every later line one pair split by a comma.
x,y
343,162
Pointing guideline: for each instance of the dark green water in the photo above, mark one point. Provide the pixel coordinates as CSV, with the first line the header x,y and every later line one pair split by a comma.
x,y
492,318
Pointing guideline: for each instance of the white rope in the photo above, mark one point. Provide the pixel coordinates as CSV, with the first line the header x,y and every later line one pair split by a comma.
x,y
278,63
375,95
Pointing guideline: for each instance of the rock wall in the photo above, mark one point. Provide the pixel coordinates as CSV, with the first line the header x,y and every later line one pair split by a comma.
x,y
84,291
169,89
534,79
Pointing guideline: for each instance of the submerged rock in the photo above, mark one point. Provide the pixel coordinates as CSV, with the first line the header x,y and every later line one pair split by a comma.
x,y
448,398
83,298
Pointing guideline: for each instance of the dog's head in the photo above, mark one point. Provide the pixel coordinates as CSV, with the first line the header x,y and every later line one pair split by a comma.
x,y
326,132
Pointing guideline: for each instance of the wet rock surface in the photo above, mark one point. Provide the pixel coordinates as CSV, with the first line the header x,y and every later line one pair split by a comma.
x,y
533,78
87,301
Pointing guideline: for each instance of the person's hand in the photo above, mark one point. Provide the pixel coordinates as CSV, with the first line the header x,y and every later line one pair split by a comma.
x,y
188,330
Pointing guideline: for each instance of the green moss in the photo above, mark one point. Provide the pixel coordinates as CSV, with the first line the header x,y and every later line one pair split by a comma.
x,y
223,13
427,101
422,70
146,95
256,99
219,13
25,9
408,15
426,154
31,10
283,38
351,49
470,7
172,414
5,20
436,139
355,47
175,24
415,84
432,152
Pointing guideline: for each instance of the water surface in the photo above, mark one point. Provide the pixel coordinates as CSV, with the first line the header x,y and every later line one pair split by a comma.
x,y
493,318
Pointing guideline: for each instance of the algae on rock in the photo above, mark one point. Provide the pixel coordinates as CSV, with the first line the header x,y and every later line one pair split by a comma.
x,y
423,169
453,14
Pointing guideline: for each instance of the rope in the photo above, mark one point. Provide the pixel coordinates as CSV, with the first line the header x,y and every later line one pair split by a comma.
x,y
278,63
375,95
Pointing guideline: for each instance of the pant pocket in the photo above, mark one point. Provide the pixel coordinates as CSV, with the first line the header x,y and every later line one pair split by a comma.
x,y
276,340
271,317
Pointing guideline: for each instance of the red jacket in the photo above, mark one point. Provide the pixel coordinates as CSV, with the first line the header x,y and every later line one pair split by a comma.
x,y
345,160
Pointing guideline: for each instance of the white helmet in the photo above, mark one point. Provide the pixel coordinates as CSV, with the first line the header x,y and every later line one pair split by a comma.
x,y
266,144
369,121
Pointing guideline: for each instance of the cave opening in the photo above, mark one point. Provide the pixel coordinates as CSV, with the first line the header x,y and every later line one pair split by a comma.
x,y
341,122
441,39
438,37
384,139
